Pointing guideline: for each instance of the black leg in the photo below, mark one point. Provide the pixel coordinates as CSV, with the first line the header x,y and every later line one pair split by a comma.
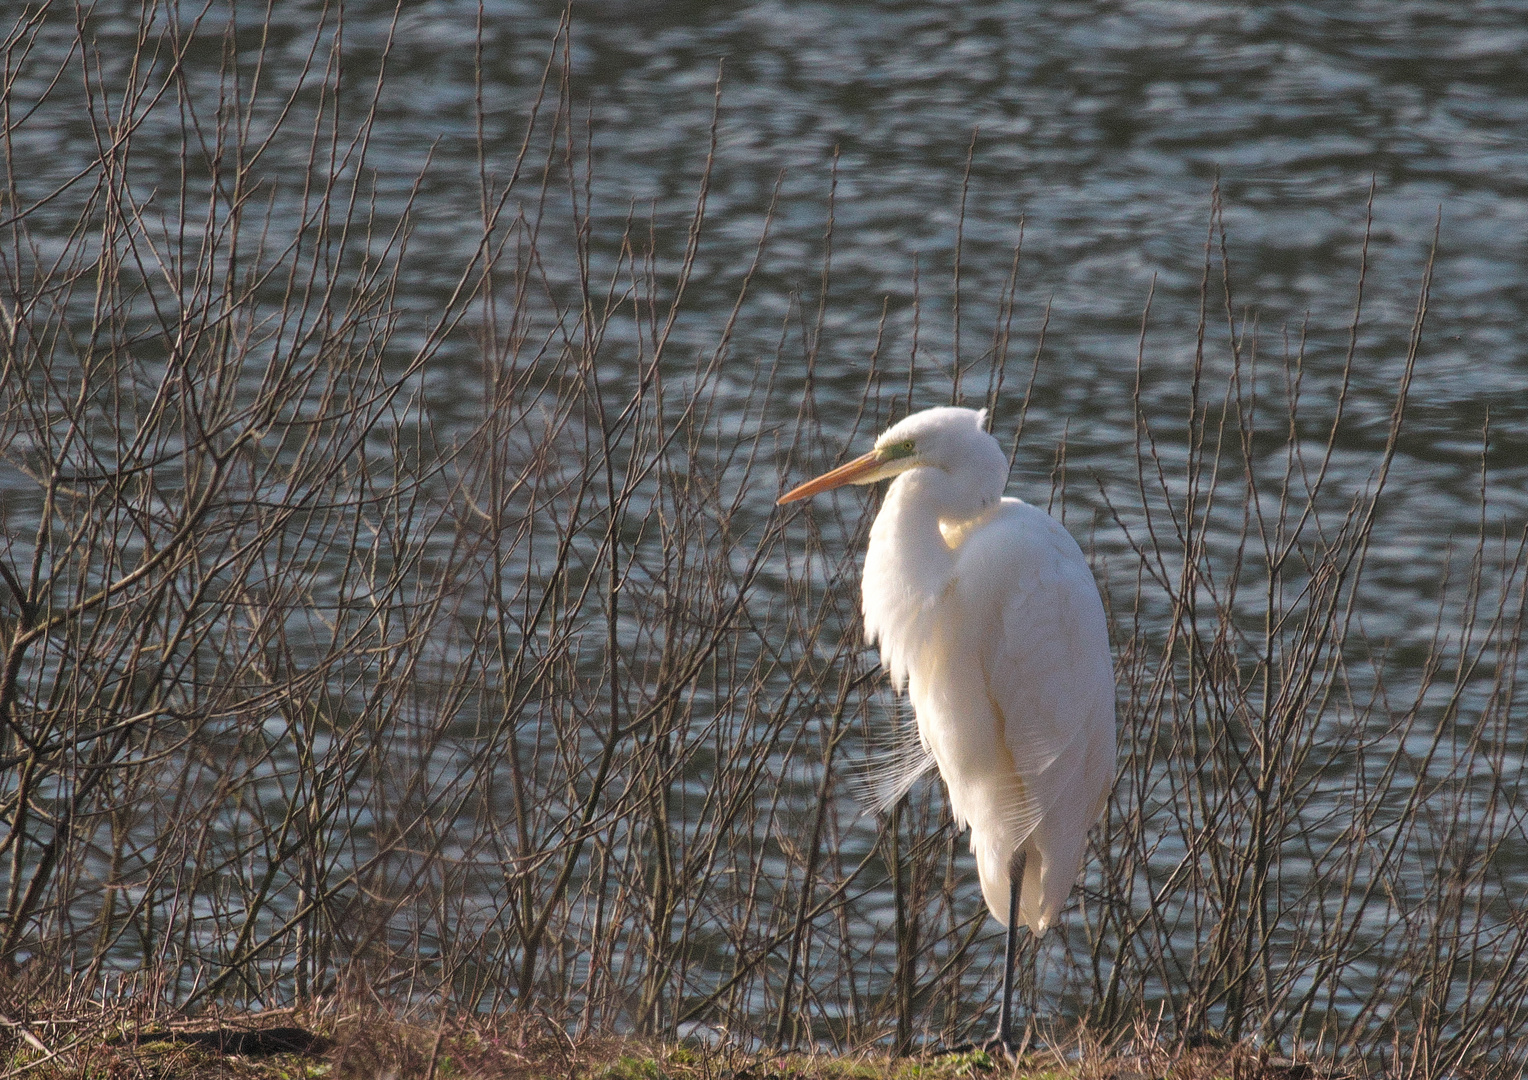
x,y
1004,1038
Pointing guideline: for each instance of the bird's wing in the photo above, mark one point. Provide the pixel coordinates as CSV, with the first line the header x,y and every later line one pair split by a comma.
x,y
1035,620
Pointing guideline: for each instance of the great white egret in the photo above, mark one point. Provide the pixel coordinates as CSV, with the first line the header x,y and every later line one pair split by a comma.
x,y
988,617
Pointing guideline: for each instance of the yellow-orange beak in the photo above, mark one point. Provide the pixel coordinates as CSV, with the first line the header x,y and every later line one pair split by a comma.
x,y
857,469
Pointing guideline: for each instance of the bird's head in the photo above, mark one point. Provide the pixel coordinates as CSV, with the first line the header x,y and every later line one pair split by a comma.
x,y
948,438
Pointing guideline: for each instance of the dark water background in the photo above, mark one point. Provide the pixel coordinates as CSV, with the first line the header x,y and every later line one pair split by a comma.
x,y
1097,131
1100,129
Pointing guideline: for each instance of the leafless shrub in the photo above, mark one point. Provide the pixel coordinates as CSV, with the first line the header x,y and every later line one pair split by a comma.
x,y
1314,837
312,691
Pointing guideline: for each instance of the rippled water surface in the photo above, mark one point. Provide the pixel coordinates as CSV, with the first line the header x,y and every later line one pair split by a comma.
x,y
1096,130
941,134
1099,130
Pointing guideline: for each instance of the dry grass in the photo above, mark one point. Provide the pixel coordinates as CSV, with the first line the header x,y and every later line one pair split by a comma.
x,y
370,1043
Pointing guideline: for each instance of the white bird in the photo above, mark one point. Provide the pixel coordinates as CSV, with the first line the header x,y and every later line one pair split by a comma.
x,y
988,617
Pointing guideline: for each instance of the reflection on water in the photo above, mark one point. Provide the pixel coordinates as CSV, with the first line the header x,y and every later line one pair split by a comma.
x,y
1099,129
941,138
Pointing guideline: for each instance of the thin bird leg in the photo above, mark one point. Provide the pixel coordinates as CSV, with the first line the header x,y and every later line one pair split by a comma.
x,y
1010,954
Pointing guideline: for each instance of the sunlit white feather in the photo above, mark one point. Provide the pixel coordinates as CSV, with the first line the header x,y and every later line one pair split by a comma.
x,y
987,616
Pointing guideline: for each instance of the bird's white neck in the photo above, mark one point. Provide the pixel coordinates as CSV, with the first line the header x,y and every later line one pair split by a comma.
x,y
911,556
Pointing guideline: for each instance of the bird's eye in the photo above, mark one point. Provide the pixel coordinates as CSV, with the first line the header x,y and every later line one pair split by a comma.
x,y
907,447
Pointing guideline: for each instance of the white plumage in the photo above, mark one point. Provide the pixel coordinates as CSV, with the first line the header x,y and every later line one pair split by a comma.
x,y
988,617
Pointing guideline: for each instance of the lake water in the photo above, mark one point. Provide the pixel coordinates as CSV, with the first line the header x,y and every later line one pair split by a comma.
x,y
1100,130
943,133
